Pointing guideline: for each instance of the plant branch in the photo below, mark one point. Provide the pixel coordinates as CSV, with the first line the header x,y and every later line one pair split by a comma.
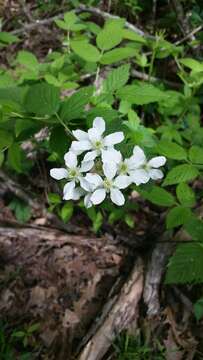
x,y
188,36
80,8
153,79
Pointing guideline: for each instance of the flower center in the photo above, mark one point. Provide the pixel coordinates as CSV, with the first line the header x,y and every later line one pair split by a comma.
x,y
146,167
123,168
107,184
73,173
98,144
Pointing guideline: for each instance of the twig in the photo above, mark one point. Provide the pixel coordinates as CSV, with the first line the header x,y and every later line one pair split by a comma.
x,y
182,19
153,79
188,36
9,185
106,15
81,8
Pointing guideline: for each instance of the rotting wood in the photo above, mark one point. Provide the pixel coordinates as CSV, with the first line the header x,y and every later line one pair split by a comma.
x,y
123,311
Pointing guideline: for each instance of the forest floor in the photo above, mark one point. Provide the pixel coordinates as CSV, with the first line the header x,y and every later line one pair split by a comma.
x,y
66,293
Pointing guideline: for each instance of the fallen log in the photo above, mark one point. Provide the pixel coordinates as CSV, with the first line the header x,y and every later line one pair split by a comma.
x,y
121,312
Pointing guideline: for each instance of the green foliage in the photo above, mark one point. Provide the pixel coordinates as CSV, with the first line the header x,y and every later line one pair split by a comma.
x,y
180,173
185,266
128,347
21,210
42,99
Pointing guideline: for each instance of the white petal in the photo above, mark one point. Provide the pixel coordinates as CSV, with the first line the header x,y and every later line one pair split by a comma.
x,y
109,169
91,155
98,196
85,184
99,124
80,135
111,154
94,135
68,190
156,174
114,138
77,193
139,156
59,173
140,176
70,160
157,161
117,197
132,163
80,146
122,181
86,166
94,179
87,201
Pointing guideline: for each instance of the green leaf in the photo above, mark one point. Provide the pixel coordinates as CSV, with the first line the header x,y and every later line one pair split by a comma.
x,y
198,309
18,334
180,173
116,55
70,19
196,154
8,38
67,211
73,107
6,139
22,211
185,266
54,198
13,95
85,50
141,94
192,64
158,196
59,141
61,24
109,37
116,78
15,157
51,79
1,158
42,99
185,194
171,150
131,35
97,223
27,59
129,220
194,227
177,216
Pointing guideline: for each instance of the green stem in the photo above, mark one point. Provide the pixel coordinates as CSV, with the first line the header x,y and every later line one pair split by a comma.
x,y
152,63
65,126
68,42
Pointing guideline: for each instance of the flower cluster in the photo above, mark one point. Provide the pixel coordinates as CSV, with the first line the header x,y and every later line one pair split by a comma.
x,y
103,171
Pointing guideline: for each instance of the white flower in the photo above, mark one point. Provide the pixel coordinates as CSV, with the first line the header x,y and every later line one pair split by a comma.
x,y
126,166
109,185
146,170
73,173
96,143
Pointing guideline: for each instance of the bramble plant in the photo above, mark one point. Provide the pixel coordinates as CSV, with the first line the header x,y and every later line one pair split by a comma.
x,y
110,73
